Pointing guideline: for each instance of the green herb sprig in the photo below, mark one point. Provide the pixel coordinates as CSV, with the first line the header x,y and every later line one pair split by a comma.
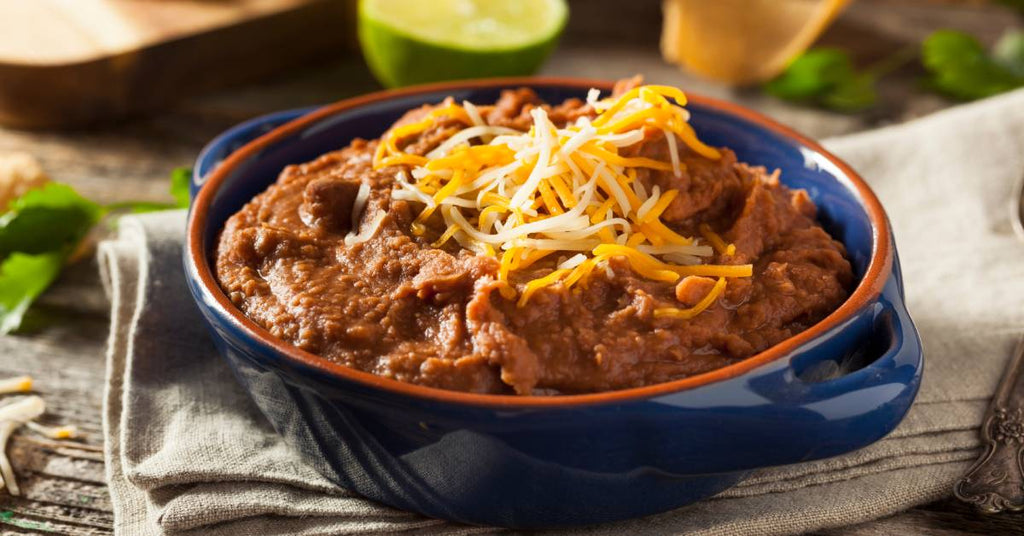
x,y
961,68
958,66
41,230
826,77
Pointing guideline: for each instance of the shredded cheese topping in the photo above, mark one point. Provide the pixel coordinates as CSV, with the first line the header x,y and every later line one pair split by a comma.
x,y
524,196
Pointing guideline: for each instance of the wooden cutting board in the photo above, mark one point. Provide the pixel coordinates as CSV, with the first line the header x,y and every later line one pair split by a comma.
x,y
73,62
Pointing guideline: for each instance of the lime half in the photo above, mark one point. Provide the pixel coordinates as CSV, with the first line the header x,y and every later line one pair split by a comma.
x,y
416,41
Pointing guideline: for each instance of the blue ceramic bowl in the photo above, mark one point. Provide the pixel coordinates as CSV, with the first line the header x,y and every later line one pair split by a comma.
x,y
554,461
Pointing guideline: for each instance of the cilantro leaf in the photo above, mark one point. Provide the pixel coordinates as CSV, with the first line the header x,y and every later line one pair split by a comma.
x,y
811,74
825,77
42,227
961,68
22,279
51,218
180,180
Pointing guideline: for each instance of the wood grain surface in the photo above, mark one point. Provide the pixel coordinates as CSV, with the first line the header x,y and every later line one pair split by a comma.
x,y
63,347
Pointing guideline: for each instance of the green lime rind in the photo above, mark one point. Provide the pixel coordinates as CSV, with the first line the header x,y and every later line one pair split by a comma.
x,y
397,59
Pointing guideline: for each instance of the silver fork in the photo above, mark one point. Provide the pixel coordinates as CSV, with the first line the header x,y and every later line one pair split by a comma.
x,y
995,483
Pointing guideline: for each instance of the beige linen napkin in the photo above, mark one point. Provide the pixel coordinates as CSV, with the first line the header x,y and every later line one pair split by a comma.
x,y
188,453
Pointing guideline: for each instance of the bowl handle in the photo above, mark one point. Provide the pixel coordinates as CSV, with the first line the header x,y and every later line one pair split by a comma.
x,y
846,411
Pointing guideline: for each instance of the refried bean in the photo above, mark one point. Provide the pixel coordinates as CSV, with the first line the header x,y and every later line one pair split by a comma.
x,y
396,307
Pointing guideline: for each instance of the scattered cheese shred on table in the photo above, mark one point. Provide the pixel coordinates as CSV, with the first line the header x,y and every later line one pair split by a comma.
x,y
13,415
53,432
18,384
523,196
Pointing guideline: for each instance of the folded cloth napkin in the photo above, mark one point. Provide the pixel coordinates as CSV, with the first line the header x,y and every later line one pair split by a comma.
x,y
188,453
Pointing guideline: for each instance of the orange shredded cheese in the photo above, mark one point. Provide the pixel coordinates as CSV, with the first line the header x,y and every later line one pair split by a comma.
x,y
525,196
703,304
716,241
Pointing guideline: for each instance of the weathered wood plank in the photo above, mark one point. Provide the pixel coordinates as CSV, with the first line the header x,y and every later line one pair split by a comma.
x,y
57,459
77,516
19,516
64,491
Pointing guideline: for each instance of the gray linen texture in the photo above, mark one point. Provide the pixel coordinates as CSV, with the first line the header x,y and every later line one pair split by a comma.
x,y
188,453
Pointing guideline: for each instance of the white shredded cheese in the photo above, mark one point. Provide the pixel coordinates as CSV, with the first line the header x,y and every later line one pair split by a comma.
x,y
649,203
13,415
572,262
24,409
673,153
18,384
367,232
670,249
20,412
6,471
473,113
359,204
463,136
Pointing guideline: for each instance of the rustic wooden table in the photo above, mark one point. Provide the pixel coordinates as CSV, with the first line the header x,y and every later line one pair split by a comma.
x,y
63,347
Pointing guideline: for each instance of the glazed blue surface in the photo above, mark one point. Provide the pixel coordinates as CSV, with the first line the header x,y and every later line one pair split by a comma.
x,y
569,465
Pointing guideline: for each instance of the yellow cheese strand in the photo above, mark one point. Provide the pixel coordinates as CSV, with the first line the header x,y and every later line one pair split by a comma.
x,y
659,207
402,159
621,101
635,120
635,240
537,284
505,264
635,161
493,209
491,198
390,140
640,262
597,216
712,270
580,273
549,199
716,241
448,233
655,228
704,303
565,195
450,186
689,137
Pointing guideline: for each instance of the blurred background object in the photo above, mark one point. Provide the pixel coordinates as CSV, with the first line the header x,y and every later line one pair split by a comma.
x,y
409,42
72,62
742,41
19,173
76,63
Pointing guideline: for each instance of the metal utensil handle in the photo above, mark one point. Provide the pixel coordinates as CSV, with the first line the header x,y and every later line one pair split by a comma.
x,y
996,481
